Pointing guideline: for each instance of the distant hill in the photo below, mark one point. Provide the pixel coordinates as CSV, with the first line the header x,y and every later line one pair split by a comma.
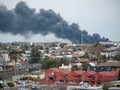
x,y
23,19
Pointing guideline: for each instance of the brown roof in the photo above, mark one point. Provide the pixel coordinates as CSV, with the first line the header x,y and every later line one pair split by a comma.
x,y
111,63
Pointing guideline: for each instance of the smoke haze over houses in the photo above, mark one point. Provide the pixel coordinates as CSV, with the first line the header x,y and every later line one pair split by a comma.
x,y
26,22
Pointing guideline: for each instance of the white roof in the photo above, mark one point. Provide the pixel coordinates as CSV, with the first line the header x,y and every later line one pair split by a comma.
x,y
92,64
65,66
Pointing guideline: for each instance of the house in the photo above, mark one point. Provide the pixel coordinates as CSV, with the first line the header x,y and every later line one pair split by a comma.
x,y
75,77
116,43
111,65
66,67
91,77
55,75
50,75
12,65
109,52
108,76
4,55
62,76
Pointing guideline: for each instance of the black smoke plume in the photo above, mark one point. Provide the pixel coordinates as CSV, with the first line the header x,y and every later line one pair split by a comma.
x,y
23,19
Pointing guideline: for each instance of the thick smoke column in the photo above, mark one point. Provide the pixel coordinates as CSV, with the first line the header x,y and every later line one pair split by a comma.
x,y
22,20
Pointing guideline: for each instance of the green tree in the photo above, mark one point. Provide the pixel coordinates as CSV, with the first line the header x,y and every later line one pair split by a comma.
x,y
14,55
74,68
44,64
35,54
86,55
117,57
24,47
26,78
49,63
105,87
119,75
52,63
63,61
1,86
85,66
46,50
10,84
41,48
1,78
62,45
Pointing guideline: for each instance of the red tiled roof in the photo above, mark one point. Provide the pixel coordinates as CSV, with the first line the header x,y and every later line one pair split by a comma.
x,y
71,78
79,72
54,69
91,72
113,73
64,71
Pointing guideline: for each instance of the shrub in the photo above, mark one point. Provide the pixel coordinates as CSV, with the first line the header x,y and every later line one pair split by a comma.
x,y
105,87
26,78
1,85
119,75
10,84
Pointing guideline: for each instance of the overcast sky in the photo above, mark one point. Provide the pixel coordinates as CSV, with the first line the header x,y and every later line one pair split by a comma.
x,y
94,16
